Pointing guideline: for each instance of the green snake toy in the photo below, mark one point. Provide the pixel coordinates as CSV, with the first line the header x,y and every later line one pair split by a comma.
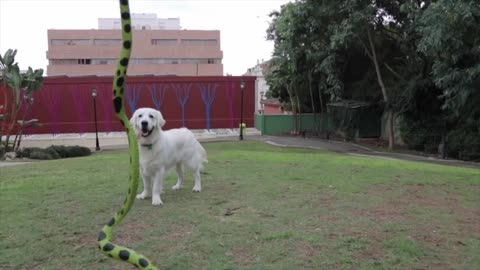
x,y
105,237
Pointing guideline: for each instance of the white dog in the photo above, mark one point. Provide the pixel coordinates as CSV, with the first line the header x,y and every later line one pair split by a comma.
x,y
161,150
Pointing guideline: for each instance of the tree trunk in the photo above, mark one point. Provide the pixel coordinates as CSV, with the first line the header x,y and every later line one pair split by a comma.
x,y
310,87
322,110
11,126
391,134
18,137
294,108
388,109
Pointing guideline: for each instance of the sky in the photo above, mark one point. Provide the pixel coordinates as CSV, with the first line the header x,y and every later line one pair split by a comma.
x,y
242,25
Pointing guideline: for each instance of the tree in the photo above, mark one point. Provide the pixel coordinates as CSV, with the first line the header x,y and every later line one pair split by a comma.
x,y
396,53
449,36
17,88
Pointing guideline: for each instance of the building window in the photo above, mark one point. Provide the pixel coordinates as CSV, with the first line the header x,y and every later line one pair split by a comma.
x,y
164,41
200,42
71,42
103,61
84,61
107,41
211,61
63,61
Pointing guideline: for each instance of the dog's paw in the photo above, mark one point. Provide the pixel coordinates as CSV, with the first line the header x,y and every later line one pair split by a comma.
x,y
176,187
142,196
197,188
156,201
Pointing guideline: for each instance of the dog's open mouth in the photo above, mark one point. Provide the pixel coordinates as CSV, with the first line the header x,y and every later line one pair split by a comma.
x,y
145,132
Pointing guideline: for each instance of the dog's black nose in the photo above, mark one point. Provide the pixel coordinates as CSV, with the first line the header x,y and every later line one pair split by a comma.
x,y
144,123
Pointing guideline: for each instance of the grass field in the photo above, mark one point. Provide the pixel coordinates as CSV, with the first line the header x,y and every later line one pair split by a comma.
x,y
262,207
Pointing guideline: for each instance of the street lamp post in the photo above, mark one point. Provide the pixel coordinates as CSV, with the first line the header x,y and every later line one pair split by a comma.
x,y
242,86
94,95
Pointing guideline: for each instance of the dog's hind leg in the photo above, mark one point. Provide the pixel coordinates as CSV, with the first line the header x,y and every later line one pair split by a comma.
x,y
179,183
198,181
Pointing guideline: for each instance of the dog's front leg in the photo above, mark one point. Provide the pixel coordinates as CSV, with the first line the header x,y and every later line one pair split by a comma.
x,y
147,186
158,187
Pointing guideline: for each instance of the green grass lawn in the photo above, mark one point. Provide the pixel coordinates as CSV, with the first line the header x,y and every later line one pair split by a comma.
x,y
262,207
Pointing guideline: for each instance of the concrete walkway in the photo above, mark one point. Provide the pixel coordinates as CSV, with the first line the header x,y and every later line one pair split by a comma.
x,y
118,140
358,150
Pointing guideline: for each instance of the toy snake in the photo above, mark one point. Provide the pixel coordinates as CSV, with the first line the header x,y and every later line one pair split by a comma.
x,y
105,237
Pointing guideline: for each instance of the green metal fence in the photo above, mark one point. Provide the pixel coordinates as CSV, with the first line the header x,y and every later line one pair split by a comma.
x,y
285,123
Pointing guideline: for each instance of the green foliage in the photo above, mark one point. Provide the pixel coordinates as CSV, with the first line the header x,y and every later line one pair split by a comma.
x,y
21,87
449,36
419,59
464,143
54,152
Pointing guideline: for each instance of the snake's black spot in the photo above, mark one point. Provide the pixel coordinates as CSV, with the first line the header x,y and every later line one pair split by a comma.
x,y
108,247
114,92
120,80
127,28
110,255
124,62
125,15
121,212
117,104
101,236
118,72
111,222
127,44
124,254
121,91
142,262
124,2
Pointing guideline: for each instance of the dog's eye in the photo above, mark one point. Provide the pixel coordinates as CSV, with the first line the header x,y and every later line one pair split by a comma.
x,y
151,116
139,116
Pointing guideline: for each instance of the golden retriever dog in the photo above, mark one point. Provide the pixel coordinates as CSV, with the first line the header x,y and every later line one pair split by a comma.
x,y
162,150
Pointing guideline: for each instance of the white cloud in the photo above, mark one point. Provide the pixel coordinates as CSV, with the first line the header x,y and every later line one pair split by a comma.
x,y
24,24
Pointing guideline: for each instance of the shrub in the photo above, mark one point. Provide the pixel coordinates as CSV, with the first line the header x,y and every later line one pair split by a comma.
x,y
464,143
40,154
26,152
54,152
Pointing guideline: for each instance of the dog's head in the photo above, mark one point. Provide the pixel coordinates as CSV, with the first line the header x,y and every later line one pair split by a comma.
x,y
146,120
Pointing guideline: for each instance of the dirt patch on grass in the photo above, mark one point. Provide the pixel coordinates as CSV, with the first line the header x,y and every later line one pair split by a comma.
x,y
177,232
431,215
130,232
243,257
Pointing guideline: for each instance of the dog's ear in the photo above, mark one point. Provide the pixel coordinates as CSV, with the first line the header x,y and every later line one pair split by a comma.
x,y
133,121
161,121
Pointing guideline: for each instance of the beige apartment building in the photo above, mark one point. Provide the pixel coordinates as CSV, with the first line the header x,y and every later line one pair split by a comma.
x,y
155,52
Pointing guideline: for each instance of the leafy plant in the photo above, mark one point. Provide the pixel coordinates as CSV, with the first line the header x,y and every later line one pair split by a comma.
x,y
18,89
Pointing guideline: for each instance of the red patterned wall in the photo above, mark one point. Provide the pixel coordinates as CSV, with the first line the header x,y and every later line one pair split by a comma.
x,y
65,104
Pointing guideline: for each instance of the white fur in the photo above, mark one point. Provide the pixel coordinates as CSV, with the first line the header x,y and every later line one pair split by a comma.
x,y
161,150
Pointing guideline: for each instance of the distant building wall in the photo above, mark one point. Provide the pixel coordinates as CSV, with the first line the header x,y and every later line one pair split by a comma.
x,y
148,21
155,52
261,86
